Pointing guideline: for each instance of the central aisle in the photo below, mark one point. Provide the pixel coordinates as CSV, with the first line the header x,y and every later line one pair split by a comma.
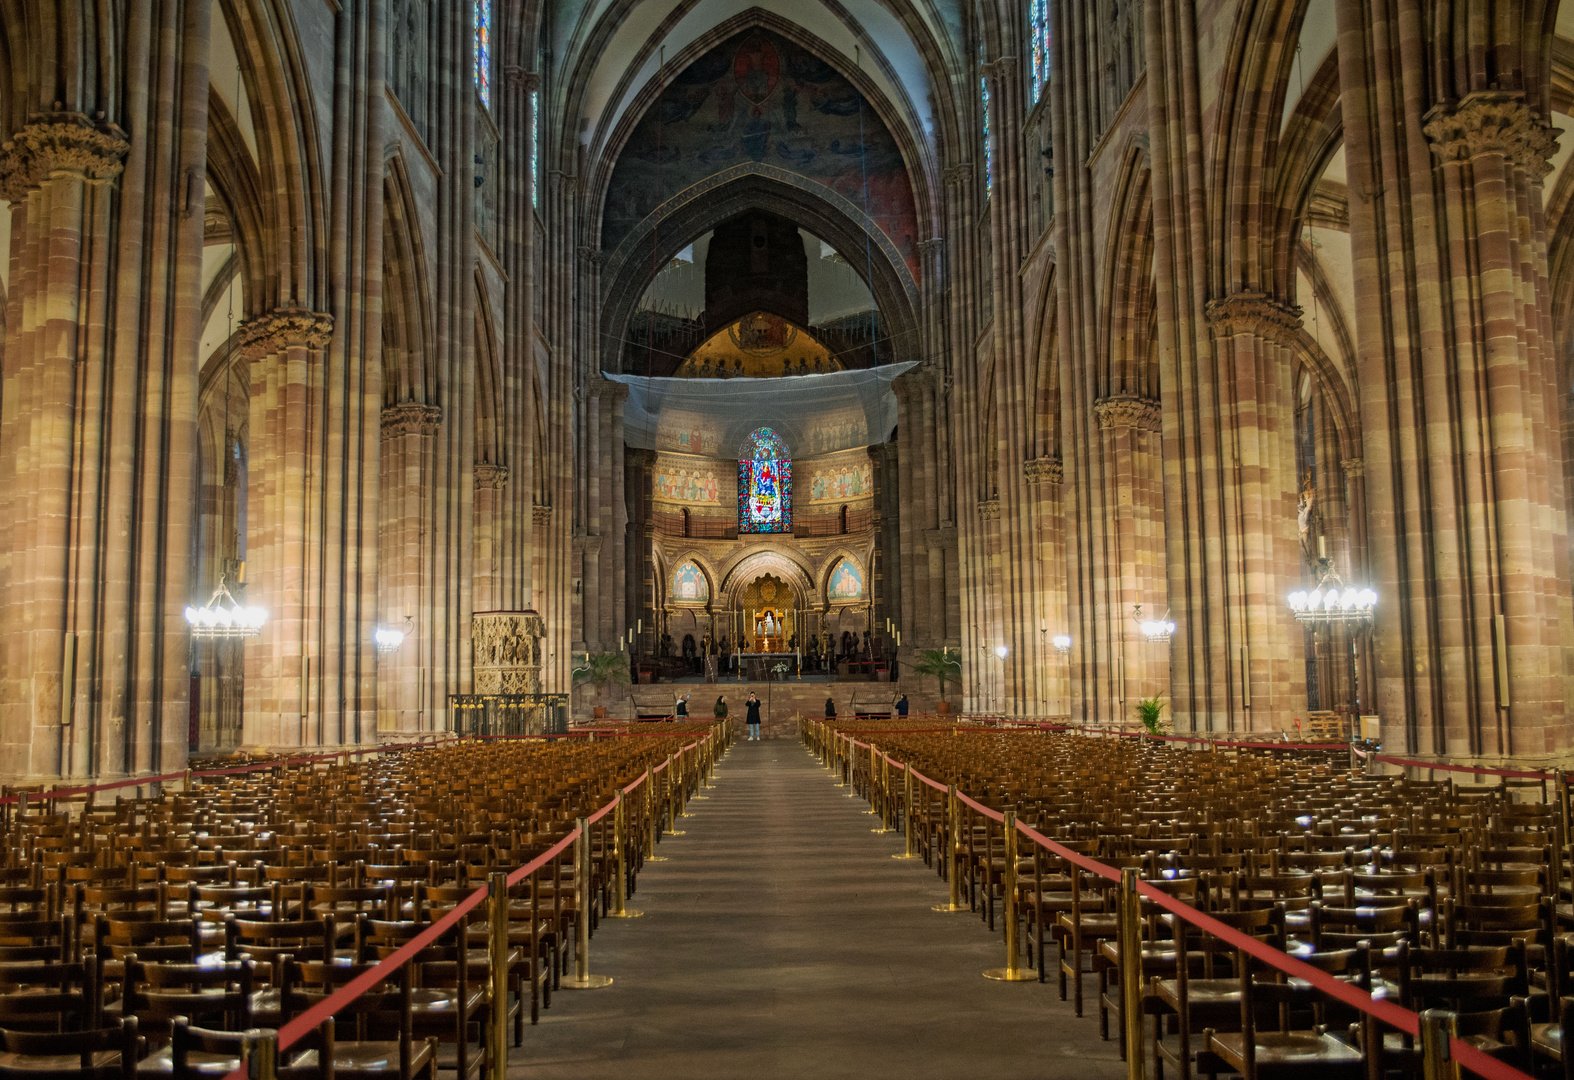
x,y
782,940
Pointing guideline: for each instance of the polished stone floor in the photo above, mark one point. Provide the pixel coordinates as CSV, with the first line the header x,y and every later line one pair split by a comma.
x,y
781,940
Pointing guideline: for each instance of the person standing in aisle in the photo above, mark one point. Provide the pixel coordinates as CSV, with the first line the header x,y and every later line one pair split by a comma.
x,y
753,718
901,705
719,710
830,708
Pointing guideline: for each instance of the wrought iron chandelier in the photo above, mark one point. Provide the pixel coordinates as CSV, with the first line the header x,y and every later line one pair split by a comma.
x,y
214,620
1332,601
1155,630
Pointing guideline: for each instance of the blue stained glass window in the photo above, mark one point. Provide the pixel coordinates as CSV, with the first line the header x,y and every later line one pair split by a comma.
x,y
483,51
1038,31
535,147
989,162
764,484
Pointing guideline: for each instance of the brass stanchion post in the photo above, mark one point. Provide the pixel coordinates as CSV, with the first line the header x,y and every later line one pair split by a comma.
x,y
620,851
672,798
582,979
884,772
263,1060
1013,971
1130,928
872,782
497,945
907,813
1437,1063
953,829
650,818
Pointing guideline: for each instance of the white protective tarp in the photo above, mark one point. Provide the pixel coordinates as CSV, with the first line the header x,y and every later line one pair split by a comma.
x,y
816,414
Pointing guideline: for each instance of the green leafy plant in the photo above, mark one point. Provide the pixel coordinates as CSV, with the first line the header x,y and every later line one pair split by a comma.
x,y
1150,712
944,664
601,670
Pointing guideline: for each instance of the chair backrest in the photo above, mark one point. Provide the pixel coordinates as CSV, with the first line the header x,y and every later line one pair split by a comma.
x,y
87,1045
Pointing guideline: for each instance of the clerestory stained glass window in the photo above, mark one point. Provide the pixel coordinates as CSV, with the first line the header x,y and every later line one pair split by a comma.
x,y
535,147
483,51
1038,32
764,484
989,156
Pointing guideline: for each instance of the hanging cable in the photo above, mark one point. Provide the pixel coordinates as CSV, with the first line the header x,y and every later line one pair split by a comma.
x,y
863,165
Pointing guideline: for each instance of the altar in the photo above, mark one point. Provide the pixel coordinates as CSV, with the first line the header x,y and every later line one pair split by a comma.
x,y
761,666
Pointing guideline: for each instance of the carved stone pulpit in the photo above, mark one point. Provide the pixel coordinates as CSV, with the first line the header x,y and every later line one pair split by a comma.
x,y
506,651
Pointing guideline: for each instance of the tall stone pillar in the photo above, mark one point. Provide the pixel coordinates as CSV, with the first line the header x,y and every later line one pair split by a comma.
x,y
491,510
1448,141
286,349
406,566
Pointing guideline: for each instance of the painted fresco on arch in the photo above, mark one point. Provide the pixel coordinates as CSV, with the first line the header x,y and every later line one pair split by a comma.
x,y
689,584
760,97
847,581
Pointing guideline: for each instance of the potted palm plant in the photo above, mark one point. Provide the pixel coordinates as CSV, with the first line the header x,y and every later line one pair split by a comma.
x,y
600,671
944,665
1150,711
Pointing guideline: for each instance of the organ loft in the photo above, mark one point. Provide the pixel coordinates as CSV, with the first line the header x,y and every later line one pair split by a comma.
x,y
465,461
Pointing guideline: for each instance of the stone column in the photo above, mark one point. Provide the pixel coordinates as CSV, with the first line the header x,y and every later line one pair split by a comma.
x,y
286,350
491,481
406,566
1464,479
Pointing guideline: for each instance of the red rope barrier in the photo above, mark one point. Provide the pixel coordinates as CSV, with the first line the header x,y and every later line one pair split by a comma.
x,y
1395,1016
298,1028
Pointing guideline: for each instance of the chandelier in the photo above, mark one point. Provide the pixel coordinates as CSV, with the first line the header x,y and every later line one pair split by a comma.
x,y
214,620
1062,643
1332,601
1155,630
389,638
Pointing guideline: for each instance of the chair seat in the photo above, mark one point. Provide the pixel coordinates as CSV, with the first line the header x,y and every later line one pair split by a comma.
x,y
1547,1039
36,1063
1319,1055
162,1063
371,1058
1200,993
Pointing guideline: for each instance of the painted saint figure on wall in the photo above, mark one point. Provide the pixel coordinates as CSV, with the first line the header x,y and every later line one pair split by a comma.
x,y
689,583
847,583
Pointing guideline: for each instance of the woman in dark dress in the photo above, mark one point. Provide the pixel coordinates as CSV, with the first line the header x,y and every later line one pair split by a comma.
x,y
753,718
830,708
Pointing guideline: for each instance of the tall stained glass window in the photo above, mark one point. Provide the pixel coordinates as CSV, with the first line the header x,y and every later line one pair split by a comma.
x,y
764,484
483,51
1038,31
535,147
989,154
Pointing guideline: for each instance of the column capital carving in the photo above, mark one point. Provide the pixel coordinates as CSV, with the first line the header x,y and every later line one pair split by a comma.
x,y
1044,470
1004,67
1492,122
411,418
958,173
518,76
489,476
1253,313
934,243
541,514
283,328
1353,467
590,256
990,509
60,144
1127,410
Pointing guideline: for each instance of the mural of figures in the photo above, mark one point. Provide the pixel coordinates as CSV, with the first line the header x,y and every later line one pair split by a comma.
x,y
760,97
847,581
840,485
685,486
689,584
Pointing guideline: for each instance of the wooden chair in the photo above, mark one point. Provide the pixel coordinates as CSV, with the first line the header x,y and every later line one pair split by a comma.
x,y
99,1053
